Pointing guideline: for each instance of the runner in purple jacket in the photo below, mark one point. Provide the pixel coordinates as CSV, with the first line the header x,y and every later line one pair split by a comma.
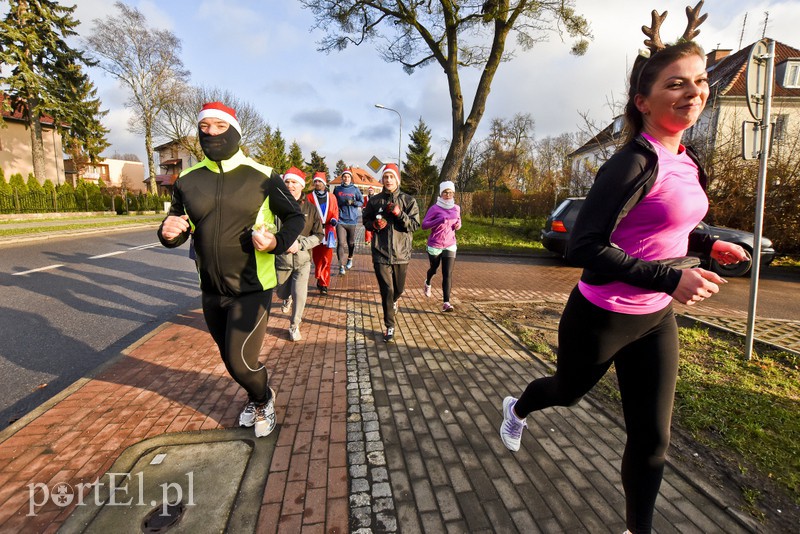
x,y
442,219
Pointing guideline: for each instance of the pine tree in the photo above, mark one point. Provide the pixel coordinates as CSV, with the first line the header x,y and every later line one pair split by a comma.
x,y
340,167
419,174
281,159
317,164
18,182
33,185
86,138
270,150
296,158
45,77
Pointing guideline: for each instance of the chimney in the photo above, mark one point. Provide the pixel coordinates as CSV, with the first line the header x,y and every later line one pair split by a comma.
x,y
715,56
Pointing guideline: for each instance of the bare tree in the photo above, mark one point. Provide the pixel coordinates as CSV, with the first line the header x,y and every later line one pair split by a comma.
x,y
146,61
453,35
504,150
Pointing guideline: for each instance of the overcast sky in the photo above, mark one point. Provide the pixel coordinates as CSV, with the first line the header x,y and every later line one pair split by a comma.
x,y
265,52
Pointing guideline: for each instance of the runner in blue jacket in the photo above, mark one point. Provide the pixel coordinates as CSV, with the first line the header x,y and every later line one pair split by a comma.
x,y
350,200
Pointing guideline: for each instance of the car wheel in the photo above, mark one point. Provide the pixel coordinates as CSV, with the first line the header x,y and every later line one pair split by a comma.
x,y
734,269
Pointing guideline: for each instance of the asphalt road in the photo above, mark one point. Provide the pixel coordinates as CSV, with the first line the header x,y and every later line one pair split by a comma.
x,y
68,305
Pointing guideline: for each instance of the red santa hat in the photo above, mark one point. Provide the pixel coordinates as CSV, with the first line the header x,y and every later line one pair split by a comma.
x,y
391,168
218,110
319,176
293,173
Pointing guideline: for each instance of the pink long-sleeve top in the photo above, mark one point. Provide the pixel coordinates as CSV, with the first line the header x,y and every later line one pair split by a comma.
x,y
443,224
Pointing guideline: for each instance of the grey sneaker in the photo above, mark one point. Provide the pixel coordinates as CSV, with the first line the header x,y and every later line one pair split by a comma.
x,y
286,305
341,269
248,416
294,333
349,264
511,429
265,417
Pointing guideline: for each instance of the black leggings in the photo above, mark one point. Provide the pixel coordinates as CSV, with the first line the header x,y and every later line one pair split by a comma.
x,y
238,325
644,350
448,260
346,235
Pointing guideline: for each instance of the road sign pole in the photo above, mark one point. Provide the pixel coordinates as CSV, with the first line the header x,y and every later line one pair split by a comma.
x,y
760,193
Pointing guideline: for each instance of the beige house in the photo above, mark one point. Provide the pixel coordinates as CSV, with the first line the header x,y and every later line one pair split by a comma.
x,y
720,125
114,173
15,147
172,158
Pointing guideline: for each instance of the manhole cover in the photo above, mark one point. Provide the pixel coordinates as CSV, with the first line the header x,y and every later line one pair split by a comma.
x,y
162,518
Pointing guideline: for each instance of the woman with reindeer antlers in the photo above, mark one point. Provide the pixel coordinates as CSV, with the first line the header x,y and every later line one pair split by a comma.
x,y
631,238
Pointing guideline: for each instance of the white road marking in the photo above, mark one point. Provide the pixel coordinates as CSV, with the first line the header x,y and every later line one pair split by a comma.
x,y
56,266
140,247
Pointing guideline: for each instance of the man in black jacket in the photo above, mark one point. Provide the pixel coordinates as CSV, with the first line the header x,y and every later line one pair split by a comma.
x,y
228,203
392,216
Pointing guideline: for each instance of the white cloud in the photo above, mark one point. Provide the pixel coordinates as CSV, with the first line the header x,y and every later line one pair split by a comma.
x,y
265,54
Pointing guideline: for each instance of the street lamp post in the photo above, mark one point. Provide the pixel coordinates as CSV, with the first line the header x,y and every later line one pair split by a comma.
x,y
400,140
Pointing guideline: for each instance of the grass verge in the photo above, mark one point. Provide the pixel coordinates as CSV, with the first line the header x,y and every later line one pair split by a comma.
x,y
45,226
507,236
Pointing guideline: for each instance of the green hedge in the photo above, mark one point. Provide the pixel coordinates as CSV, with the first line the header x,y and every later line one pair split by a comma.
x,y
83,199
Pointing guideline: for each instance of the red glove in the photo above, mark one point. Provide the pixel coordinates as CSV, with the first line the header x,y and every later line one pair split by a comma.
x,y
393,208
379,224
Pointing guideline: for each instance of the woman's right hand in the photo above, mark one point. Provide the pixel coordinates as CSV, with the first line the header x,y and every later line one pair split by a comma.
x,y
697,285
174,226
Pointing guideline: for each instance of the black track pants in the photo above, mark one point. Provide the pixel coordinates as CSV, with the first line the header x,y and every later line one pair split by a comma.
x,y
392,283
644,350
448,260
238,325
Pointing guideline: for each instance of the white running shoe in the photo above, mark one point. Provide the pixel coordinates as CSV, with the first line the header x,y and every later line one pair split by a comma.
x,y
341,269
248,416
349,263
427,289
511,429
447,307
294,333
286,305
265,417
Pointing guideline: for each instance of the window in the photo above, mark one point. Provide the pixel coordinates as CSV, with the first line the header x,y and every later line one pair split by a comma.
x,y
791,77
619,122
779,129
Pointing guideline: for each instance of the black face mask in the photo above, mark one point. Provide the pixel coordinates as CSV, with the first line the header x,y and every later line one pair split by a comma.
x,y
220,147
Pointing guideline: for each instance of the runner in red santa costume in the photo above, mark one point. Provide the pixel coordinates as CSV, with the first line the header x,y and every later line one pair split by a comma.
x,y
329,213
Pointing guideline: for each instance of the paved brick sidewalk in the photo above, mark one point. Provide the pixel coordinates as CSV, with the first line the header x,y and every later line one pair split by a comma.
x,y
372,437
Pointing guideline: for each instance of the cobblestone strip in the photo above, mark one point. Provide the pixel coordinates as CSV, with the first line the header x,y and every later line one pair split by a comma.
x,y
372,507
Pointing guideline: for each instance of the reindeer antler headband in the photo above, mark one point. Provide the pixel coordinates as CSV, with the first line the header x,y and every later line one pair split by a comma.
x,y
654,43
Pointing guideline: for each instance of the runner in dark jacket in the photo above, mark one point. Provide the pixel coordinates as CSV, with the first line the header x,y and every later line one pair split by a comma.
x,y
229,203
393,216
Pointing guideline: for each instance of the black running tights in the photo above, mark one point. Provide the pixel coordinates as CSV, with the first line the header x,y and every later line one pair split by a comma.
x,y
238,325
644,350
448,260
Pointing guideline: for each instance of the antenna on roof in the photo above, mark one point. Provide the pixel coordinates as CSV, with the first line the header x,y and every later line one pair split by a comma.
x,y
741,37
766,21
